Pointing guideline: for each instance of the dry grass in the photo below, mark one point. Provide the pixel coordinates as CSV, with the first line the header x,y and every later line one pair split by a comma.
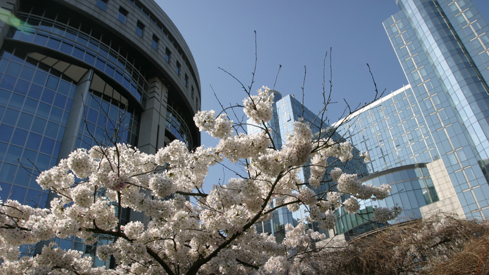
x,y
439,245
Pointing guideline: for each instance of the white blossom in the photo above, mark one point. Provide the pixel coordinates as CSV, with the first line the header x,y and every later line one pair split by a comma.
x,y
384,214
259,107
351,205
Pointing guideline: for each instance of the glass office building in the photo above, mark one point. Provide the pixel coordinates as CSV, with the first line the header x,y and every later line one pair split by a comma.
x,y
430,139
442,46
286,111
78,73
401,149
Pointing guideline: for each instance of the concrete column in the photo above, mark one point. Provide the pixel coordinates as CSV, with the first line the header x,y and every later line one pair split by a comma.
x,y
449,202
153,118
75,118
152,128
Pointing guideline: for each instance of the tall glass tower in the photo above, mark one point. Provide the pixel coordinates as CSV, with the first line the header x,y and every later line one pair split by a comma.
x,y
286,111
442,46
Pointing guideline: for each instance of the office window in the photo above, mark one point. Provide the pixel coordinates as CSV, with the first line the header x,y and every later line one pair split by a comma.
x,y
122,15
154,42
178,68
167,55
140,28
186,80
102,4
192,91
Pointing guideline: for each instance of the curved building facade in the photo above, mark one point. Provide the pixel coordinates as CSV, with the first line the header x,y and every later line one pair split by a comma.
x,y
75,73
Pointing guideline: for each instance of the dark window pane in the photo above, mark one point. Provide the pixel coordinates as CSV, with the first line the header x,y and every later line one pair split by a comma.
x,y
4,95
18,193
39,125
102,4
33,197
40,39
13,154
33,141
61,131
10,116
14,69
122,15
19,137
100,64
154,42
8,82
57,146
3,65
109,70
16,101
8,172
44,199
56,115
47,96
3,149
47,146
35,91
51,130
5,192
40,78
42,162
28,158
54,43
52,82
167,55
89,58
64,87
21,87
140,28
78,53
30,106
23,177
43,110
66,48
60,101
25,121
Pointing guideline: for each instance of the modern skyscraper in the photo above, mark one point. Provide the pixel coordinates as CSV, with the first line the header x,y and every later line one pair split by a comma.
x,y
429,140
403,154
74,73
442,46
286,111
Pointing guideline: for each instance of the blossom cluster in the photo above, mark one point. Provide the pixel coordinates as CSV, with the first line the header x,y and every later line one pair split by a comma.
x,y
259,107
218,127
214,232
384,214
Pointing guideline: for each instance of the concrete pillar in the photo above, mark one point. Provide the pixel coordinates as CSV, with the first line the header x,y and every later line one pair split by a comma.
x,y
153,118
75,118
152,128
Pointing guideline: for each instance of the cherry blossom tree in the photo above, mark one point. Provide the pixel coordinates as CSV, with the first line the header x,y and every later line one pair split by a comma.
x,y
211,233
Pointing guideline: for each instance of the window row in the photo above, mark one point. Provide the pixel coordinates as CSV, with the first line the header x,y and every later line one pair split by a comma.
x,y
122,17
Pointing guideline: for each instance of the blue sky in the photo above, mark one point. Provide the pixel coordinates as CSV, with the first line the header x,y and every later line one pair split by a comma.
x,y
294,34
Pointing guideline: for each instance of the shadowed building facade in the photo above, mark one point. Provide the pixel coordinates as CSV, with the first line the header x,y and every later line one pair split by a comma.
x,y
77,73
